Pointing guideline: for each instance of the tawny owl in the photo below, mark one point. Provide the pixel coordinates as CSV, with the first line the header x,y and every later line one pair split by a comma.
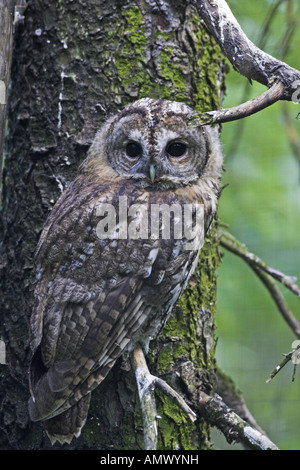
x,y
109,270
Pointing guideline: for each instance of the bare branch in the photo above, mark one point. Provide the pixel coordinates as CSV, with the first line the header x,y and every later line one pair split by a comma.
x,y
283,81
290,27
232,244
214,410
291,356
279,300
246,58
268,21
243,110
233,398
266,273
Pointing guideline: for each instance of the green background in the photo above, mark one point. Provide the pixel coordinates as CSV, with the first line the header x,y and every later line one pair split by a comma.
x,y
261,206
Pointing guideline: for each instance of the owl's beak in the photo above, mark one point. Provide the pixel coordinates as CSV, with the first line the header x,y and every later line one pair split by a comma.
x,y
152,172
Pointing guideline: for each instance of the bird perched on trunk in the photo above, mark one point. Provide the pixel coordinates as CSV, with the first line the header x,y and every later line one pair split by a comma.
x,y
116,253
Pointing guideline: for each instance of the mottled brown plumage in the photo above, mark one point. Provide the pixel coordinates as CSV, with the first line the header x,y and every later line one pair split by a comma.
x,y
96,296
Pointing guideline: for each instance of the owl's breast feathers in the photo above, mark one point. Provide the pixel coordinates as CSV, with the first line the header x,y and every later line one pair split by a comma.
x,y
95,297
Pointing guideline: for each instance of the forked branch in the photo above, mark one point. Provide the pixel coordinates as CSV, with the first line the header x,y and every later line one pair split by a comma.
x,y
232,244
266,275
291,356
212,408
283,81
246,58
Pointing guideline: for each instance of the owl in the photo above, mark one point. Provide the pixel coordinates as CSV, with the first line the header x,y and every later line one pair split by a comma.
x,y
117,252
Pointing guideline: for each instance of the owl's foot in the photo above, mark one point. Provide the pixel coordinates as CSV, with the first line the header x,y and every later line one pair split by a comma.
x,y
146,383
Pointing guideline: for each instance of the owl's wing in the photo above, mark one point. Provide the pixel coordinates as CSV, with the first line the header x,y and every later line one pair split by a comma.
x,y
93,298
92,337
94,333
89,306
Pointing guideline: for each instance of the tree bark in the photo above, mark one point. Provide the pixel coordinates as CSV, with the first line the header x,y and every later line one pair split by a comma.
x,y
6,45
76,63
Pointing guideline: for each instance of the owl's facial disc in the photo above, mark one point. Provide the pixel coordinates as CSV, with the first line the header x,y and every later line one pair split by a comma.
x,y
150,141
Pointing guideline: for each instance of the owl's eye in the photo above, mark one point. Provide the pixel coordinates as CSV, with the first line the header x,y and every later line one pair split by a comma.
x,y
133,150
176,149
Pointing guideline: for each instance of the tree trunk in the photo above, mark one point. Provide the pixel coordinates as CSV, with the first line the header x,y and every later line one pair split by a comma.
x,y
6,40
75,63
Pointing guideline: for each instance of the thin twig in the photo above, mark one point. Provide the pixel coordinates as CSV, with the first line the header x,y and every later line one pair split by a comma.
x,y
284,43
291,356
243,110
232,244
265,273
218,414
267,23
279,300
279,367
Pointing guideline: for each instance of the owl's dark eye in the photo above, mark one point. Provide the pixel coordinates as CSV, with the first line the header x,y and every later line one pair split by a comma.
x,y
176,149
133,150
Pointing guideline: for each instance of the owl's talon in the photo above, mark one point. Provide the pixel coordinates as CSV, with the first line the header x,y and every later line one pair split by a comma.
x,y
145,381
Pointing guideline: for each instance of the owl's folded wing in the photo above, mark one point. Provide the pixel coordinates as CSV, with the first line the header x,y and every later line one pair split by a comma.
x,y
84,339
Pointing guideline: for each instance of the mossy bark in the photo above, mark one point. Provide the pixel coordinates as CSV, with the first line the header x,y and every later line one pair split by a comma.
x,y
74,64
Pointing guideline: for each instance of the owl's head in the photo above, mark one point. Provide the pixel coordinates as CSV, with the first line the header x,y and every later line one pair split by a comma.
x,y
151,143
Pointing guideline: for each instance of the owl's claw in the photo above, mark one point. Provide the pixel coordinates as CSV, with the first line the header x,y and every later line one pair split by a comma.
x,y
146,383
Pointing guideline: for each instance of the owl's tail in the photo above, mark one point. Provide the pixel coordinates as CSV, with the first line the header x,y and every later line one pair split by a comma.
x,y
65,426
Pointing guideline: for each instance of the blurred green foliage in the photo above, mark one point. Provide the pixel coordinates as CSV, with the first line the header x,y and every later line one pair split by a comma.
x,y
261,206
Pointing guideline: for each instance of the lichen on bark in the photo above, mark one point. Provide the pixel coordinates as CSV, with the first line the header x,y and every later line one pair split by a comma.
x,y
76,63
